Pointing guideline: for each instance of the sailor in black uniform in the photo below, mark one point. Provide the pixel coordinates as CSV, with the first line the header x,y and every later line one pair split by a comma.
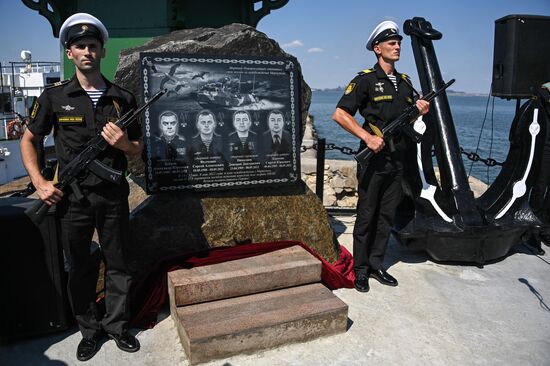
x,y
77,110
380,94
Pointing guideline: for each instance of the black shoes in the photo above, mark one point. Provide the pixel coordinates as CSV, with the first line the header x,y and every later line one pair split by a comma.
x,y
87,348
383,277
361,282
126,342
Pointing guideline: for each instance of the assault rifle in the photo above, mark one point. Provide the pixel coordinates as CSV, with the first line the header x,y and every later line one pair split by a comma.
x,y
401,123
87,159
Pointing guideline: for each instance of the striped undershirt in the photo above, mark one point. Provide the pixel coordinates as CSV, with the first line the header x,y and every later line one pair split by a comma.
x,y
95,95
393,79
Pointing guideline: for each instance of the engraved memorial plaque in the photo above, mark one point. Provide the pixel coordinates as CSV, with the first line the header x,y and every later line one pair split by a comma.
x,y
224,123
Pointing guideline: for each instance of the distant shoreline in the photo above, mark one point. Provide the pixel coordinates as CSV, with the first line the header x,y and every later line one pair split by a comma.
x,y
454,93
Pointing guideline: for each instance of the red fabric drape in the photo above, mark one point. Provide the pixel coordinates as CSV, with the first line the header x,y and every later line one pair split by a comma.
x,y
151,293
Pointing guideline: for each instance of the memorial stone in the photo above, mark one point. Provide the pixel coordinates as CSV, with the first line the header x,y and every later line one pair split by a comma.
x,y
171,222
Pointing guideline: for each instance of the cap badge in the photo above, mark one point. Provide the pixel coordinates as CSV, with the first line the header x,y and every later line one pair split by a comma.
x,y
379,87
84,27
393,30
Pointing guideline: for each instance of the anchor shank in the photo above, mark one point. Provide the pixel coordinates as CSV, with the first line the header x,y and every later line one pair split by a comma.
x,y
451,167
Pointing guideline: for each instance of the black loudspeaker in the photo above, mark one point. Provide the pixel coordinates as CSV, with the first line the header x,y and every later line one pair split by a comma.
x,y
33,282
521,58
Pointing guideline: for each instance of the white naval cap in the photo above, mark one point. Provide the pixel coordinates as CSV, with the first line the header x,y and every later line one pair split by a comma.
x,y
82,25
383,31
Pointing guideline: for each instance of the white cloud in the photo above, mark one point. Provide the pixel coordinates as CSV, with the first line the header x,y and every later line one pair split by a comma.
x,y
293,44
315,50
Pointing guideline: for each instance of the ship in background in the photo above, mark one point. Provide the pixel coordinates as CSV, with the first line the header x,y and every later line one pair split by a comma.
x,y
21,82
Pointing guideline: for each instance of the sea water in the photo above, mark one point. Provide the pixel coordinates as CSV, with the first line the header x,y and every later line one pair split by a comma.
x,y
476,118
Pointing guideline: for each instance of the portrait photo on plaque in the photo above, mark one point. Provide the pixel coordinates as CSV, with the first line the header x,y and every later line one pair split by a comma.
x,y
224,122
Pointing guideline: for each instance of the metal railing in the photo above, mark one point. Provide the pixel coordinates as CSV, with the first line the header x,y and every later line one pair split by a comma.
x,y
321,147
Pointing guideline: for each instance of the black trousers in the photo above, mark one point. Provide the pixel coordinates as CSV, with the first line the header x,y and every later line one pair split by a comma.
x,y
380,192
107,211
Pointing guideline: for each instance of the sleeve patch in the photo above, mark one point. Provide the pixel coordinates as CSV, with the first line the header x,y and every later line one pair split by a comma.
x,y
35,108
350,88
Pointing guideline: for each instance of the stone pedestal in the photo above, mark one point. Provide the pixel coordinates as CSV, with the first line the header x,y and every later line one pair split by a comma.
x,y
166,224
252,304
279,269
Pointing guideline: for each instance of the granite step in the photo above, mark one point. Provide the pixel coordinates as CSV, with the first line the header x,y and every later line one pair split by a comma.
x,y
283,268
245,324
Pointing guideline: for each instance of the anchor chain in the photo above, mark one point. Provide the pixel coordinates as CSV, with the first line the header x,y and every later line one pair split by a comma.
x,y
475,157
349,151
344,150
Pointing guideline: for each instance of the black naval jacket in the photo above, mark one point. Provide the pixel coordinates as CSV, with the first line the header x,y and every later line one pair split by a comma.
x,y
373,94
68,109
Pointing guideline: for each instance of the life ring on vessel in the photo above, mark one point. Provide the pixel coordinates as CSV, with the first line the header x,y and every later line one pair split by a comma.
x,y
14,130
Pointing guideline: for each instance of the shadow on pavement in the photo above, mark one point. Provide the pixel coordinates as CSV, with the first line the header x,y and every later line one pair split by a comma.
x,y
537,294
31,351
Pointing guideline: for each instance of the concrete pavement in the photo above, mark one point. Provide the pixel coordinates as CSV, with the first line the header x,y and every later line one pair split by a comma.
x,y
438,315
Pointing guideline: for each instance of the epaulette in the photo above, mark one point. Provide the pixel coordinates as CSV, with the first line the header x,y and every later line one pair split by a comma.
x,y
59,83
405,76
546,86
366,71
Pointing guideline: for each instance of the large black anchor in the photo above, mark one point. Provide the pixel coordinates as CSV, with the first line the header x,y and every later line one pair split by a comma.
x,y
448,222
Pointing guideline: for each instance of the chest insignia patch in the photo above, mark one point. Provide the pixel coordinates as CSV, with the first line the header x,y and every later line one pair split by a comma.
x,y
350,88
67,108
379,87
383,98
70,119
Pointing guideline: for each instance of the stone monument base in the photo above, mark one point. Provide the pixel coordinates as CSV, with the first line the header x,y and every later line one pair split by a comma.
x,y
165,224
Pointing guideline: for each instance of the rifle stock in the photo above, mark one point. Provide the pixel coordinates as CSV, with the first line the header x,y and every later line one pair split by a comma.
x,y
363,157
38,210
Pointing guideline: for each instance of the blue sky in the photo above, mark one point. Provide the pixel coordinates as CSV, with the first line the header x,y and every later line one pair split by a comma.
x,y
328,36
